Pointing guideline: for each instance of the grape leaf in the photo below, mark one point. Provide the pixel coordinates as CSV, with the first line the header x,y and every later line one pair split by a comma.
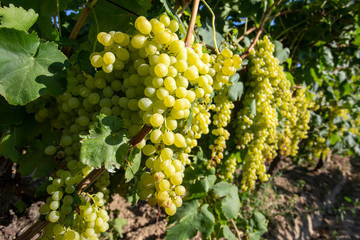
x,y
227,233
118,224
235,91
281,53
105,144
206,33
259,222
17,137
201,187
253,107
7,147
17,17
133,164
290,78
28,67
34,161
230,204
189,220
14,114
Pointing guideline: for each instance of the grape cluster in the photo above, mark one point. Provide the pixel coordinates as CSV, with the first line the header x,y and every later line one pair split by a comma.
x,y
296,124
73,112
228,168
225,66
86,222
267,102
163,83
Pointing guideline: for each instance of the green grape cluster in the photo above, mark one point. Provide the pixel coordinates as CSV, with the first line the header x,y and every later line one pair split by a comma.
x,y
164,83
73,112
168,85
228,168
268,96
87,222
61,190
296,124
225,66
60,207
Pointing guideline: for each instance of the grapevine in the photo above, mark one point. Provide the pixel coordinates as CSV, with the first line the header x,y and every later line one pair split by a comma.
x,y
157,101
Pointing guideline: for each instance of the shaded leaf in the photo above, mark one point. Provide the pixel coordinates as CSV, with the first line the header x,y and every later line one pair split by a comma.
x,y
281,53
35,161
7,147
133,164
84,63
206,33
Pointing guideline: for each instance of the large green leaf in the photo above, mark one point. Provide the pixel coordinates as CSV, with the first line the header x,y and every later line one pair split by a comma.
x,y
105,144
17,17
28,67
230,203
189,220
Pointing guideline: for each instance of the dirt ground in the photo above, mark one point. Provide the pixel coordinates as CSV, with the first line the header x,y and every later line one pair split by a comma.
x,y
304,204
308,204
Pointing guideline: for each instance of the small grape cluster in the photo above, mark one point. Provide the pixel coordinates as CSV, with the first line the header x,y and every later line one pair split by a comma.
x,y
228,168
225,66
88,220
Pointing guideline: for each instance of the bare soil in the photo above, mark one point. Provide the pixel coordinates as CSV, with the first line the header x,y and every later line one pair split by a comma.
x,y
306,204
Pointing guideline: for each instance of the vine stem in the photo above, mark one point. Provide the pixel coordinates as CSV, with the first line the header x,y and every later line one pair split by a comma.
x,y
236,229
123,8
85,183
78,24
192,23
183,7
265,18
213,26
246,33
